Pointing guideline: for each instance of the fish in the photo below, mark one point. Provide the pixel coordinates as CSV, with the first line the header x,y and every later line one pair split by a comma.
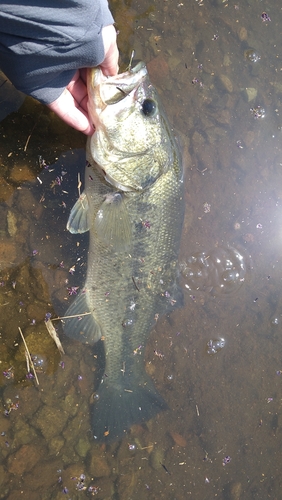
x,y
132,206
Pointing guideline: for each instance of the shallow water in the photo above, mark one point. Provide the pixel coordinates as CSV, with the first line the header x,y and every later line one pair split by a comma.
x,y
217,66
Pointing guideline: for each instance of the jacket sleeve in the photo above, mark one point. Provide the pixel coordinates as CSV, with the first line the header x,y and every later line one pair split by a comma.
x,y
44,42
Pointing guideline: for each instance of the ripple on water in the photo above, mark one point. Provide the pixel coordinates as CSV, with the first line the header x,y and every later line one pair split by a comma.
x,y
221,270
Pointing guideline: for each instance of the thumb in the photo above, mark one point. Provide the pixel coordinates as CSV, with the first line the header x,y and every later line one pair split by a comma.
x,y
110,64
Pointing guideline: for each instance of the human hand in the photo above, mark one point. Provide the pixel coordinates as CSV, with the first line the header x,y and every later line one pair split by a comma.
x,y
71,106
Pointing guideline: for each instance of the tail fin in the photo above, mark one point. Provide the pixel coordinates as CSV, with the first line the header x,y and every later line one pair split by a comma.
x,y
118,408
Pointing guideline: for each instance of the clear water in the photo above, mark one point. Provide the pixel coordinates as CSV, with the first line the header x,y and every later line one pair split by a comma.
x,y
217,361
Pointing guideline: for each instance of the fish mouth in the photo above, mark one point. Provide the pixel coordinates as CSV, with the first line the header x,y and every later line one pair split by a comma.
x,y
110,90
115,90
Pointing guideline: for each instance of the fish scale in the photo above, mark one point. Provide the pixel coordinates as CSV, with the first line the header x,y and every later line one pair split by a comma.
x,y
132,260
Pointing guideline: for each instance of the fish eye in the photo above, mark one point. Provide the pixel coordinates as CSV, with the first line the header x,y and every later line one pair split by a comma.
x,y
149,107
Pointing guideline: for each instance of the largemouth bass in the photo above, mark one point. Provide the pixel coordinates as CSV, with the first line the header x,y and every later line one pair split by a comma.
x,y
132,204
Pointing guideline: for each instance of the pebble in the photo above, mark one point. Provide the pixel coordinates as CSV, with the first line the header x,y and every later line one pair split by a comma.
x,y
51,421
42,347
251,93
56,445
178,439
28,204
42,477
29,401
8,252
6,190
235,491
82,447
157,458
24,432
99,466
243,34
21,173
158,69
3,475
11,223
24,459
226,83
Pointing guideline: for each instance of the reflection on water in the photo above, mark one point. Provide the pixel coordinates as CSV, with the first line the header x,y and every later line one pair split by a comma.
x,y
217,65
221,270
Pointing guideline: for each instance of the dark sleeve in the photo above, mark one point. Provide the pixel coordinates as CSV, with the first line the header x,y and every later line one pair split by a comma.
x,y
44,42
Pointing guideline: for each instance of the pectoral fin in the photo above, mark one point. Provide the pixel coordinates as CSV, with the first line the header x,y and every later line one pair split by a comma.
x,y
82,325
79,219
112,223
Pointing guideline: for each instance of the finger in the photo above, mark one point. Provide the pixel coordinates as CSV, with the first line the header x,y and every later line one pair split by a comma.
x,y
68,110
78,90
83,75
110,64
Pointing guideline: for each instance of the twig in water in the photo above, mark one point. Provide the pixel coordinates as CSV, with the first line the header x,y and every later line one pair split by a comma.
x,y
28,139
29,356
52,332
79,184
73,316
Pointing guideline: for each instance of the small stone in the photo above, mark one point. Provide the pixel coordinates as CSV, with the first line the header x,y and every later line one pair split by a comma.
x,y
158,69
6,190
70,404
226,83
198,140
51,421
173,62
106,487
235,491
8,252
3,475
71,476
25,434
99,466
12,223
178,439
82,447
42,346
35,311
277,86
243,34
27,203
226,60
249,138
251,93
29,401
56,445
24,459
126,486
42,477
156,458
21,173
